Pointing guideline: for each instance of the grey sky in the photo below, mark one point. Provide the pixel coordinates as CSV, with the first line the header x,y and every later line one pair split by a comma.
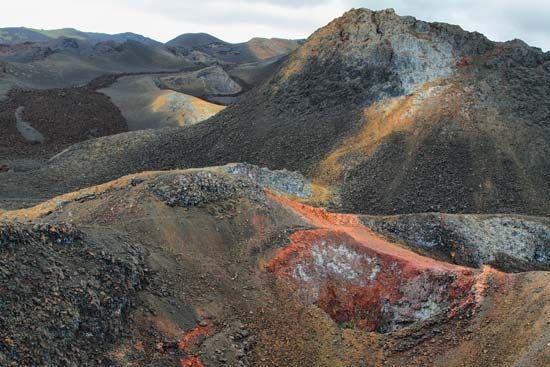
x,y
240,20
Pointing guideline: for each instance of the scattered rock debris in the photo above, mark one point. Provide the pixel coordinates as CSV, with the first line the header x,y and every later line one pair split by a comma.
x,y
65,299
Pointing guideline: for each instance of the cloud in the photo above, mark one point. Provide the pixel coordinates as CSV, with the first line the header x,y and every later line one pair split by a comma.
x,y
240,20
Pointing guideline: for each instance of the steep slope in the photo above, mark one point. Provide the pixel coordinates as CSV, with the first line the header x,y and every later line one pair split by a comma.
x,y
389,114
206,267
398,115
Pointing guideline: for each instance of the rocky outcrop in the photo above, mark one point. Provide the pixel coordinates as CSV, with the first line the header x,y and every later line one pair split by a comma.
x,y
201,188
510,243
211,81
283,181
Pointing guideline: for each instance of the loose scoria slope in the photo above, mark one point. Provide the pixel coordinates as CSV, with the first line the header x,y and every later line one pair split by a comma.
x,y
207,268
398,115
388,114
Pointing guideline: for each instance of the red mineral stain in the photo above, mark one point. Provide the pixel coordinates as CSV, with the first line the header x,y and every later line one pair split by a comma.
x,y
359,277
194,336
351,225
191,361
464,62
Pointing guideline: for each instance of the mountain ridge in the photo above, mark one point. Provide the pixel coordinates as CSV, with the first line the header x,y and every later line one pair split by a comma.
x,y
23,34
14,35
340,108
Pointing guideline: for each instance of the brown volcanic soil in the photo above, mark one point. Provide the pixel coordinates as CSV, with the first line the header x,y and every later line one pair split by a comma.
x,y
63,116
205,268
184,268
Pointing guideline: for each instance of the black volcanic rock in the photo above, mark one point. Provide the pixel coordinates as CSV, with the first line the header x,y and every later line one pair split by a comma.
x,y
66,296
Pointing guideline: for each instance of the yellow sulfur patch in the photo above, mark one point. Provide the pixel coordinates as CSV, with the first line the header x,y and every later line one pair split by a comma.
x,y
430,102
186,109
381,119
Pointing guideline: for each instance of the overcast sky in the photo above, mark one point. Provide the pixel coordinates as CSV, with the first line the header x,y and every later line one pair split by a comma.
x,y
240,20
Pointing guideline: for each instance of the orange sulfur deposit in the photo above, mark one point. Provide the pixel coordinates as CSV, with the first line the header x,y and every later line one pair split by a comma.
x,y
191,339
194,336
359,278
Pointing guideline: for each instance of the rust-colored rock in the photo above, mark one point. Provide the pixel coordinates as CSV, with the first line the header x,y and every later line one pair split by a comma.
x,y
358,277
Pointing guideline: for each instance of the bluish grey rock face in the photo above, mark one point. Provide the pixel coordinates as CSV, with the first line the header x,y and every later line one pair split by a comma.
x,y
509,242
281,181
416,52
522,238
411,51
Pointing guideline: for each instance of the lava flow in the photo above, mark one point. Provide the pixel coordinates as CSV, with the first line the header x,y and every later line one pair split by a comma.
x,y
359,278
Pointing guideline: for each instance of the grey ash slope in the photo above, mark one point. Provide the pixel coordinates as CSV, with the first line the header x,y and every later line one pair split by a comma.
x,y
68,62
391,114
45,59
153,99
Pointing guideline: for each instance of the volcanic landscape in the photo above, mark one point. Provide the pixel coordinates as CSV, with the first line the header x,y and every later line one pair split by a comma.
x,y
375,195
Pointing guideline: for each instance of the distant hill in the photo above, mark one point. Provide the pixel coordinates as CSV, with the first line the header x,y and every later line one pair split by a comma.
x,y
22,34
257,49
67,62
194,40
